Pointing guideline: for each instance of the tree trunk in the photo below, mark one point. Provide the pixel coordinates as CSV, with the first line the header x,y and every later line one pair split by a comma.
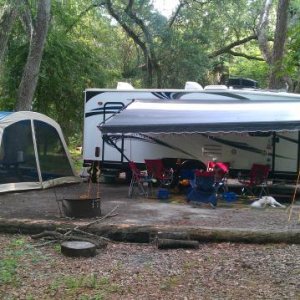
x,y
31,71
262,31
276,80
6,23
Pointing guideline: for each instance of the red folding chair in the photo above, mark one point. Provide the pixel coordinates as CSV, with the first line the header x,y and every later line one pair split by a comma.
x,y
256,183
139,180
156,170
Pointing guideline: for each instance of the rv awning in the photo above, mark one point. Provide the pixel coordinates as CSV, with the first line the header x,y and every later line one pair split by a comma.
x,y
193,116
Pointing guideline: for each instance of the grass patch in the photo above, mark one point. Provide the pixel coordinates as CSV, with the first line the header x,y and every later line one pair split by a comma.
x,y
87,286
77,159
12,259
170,282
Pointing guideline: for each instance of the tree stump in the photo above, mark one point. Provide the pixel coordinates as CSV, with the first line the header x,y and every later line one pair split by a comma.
x,y
78,248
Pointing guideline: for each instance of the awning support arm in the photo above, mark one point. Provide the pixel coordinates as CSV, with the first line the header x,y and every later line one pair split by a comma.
x,y
110,141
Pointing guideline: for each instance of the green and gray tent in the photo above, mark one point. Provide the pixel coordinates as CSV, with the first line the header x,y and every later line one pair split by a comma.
x,y
33,152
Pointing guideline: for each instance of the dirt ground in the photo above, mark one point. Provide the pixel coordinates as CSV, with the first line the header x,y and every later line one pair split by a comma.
x,y
141,211
228,270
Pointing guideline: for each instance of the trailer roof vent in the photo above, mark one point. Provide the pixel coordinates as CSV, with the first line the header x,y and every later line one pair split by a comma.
x,y
191,85
124,86
216,87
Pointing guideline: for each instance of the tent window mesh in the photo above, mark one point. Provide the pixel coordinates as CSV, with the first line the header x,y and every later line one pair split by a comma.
x,y
53,159
17,159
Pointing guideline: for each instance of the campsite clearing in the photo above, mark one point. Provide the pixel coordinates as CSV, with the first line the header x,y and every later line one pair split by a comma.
x,y
131,271
38,209
141,271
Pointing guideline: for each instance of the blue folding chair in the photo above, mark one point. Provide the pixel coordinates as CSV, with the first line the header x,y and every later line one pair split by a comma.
x,y
203,189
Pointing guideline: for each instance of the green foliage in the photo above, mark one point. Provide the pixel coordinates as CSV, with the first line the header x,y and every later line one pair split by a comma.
x,y
291,61
87,48
183,59
79,53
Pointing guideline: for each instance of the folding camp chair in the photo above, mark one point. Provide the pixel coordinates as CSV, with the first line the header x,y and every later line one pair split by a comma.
x,y
221,172
157,171
203,188
256,183
139,180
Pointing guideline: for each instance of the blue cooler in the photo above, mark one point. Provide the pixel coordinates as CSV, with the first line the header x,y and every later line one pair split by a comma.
x,y
162,194
229,197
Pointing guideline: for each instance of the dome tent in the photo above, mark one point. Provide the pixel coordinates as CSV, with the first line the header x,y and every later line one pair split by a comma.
x,y
33,152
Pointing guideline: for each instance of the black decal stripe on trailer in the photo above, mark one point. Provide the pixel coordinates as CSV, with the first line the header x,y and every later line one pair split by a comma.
x,y
170,95
242,146
148,139
95,113
105,110
231,95
90,94
157,141
287,138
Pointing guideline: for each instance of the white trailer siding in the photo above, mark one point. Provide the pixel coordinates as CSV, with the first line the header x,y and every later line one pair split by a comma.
x,y
239,149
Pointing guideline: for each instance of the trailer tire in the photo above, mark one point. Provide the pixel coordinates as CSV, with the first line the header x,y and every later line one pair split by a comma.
x,y
192,164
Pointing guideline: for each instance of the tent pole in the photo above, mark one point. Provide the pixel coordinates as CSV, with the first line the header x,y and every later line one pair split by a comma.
x,y
294,197
37,158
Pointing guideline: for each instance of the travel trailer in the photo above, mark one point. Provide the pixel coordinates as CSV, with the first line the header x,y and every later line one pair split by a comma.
x,y
194,125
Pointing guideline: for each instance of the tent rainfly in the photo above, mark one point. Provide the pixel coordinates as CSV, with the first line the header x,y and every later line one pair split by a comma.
x,y
198,116
33,152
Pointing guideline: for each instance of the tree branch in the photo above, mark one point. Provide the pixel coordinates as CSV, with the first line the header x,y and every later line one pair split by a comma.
x,y
176,14
151,57
129,31
227,48
26,19
141,24
83,13
245,55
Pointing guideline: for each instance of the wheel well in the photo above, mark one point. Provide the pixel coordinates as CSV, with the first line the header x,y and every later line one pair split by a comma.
x,y
193,164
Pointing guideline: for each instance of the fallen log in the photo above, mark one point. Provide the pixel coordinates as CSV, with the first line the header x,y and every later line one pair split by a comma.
x,y
173,235
174,244
98,241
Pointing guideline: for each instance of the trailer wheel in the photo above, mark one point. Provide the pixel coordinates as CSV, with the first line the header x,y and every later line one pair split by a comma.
x,y
192,164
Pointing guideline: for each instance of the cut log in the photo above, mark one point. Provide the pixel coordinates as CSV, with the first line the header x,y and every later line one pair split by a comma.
x,y
174,244
173,235
78,248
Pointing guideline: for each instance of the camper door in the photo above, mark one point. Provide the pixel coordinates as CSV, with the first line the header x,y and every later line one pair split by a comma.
x,y
286,145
